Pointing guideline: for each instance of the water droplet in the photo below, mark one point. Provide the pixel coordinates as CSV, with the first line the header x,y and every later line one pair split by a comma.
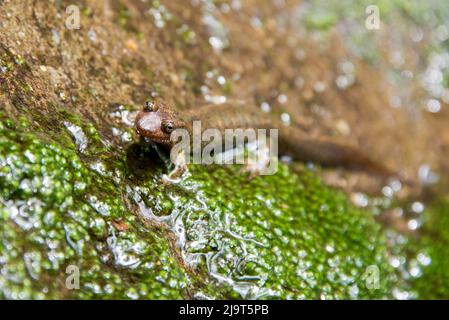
x,y
400,294
265,107
282,98
426,175
424,259
320,86
359,199
417,207
78,134
221,80
330,248
413,224
92,36
433,105
395,262
387,191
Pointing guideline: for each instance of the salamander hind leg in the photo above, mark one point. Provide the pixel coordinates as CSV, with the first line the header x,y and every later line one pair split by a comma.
x,y
260,161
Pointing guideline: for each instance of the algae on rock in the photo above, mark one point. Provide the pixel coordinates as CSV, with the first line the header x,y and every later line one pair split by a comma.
x,y
217,234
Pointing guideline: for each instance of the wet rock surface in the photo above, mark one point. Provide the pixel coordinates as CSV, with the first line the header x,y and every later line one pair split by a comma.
x,y
77,190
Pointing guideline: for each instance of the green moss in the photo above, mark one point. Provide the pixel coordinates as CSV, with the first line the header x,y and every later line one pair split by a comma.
x,y
55,212
123,17
290,236
321,21
280,236
433,252
187,35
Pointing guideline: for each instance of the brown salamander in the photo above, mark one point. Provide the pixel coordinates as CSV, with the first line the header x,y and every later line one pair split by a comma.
x,y
157,121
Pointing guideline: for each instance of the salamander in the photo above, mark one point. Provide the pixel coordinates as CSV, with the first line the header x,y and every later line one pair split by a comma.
x,y
156,121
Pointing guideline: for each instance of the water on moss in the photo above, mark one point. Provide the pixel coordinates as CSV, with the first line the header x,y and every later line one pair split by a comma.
x,y
217,234
56,212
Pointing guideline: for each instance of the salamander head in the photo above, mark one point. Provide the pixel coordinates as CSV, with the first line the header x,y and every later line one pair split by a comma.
x,y
157,121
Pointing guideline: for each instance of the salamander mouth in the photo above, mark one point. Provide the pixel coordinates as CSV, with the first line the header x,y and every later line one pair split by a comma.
x,y
164,141
157,141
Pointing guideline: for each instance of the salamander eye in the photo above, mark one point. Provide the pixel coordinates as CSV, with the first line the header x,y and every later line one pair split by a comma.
x,y
168,126
150,106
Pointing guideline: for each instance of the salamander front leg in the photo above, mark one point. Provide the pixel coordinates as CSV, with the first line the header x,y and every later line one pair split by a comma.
x,y
180,168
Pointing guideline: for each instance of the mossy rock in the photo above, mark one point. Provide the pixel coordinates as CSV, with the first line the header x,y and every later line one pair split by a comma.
x,y
217,234
432,253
